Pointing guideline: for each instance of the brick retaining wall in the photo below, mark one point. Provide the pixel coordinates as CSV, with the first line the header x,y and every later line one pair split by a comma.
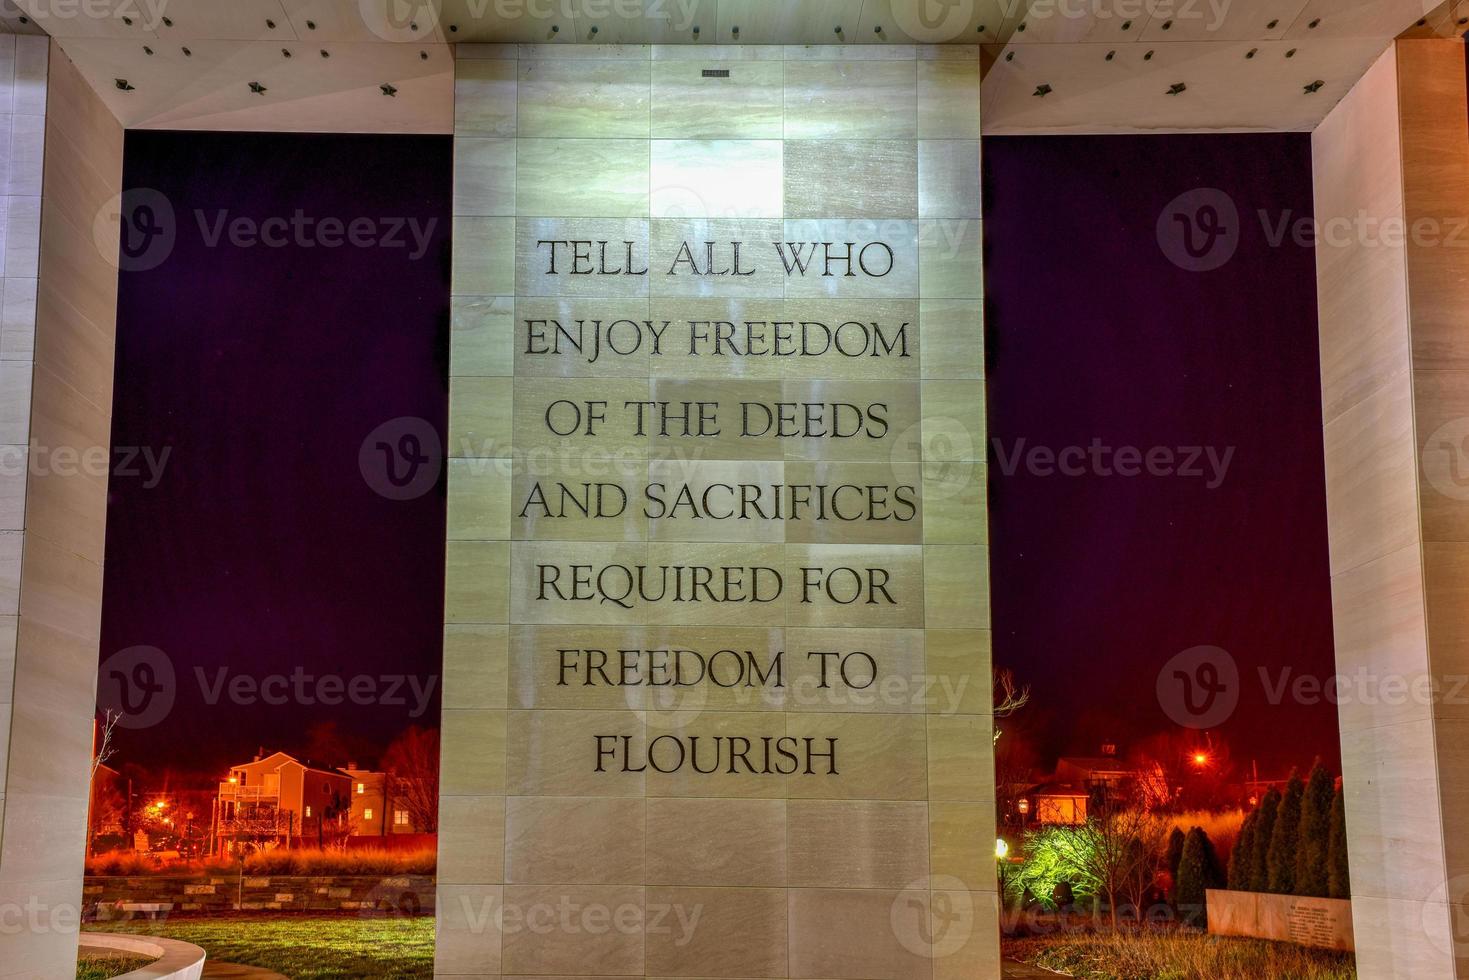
x,y
114,897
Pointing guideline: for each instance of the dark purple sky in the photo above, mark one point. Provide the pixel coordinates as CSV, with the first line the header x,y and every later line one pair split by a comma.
x,y
1094,333
261,370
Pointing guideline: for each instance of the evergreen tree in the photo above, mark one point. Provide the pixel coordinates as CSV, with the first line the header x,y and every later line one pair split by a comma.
x,y
1243,854
1315,834
1174,853
1264,828
1285,839
1198,870
1338,882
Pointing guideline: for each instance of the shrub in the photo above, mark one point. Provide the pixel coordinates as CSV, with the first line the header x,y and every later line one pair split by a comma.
x,y
1243,855
276,861
1311,869
1198,870
1285,839
1338,881
1264,829
1174,853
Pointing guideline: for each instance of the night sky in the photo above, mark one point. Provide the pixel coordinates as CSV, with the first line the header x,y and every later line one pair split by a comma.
x,y
1093,332
262,369
266,548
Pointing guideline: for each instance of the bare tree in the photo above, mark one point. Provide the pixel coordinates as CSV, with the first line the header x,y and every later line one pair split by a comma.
x,y
412,765
1009,697
102,747
1119,847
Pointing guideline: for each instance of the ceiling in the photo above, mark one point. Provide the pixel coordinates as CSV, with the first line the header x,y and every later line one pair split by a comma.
x,y
1053,65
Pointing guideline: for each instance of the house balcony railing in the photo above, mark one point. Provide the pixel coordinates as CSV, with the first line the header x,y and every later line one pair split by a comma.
x,y
248,794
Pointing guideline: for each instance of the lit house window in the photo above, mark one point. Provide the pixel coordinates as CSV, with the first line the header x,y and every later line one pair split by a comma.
x,y
400,818
308,811
361,788
367,814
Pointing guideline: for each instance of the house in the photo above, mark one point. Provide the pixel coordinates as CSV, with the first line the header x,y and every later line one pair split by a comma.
x,y
373,810
1064,796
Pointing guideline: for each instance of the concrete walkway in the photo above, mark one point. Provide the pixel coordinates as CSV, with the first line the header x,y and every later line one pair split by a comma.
x,y
236,971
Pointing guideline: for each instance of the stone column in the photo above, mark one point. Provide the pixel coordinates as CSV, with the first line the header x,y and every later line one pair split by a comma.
x,y
1392,201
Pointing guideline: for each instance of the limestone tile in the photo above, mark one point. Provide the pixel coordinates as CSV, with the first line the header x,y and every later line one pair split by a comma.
x,y
948,179
748,104
948,100
484,98
721,337
1441,410
63,590
14,462
969,947
1397,840
949,261
604,927
580,500
695,257
27,139
960,758
740,932
708,178
575,337
955,504
713,668
564,419
861,421
1452,758
851,258
706,53
32,56
961,842
480,412
1403,937
605,178
878,757
766,26
557,753
22,236
481,336
852,100
863,671
600,257
953,421
559,585
1446,568
50,743
861,503
856,843
1380,636
484,256
582,98
476,666
717,842
709,419
953,338
836,178
1371,499
959,668
867,339
849,933
729,758
957,595
479,500
714,500
18,319
574,840
577,667
476,581
468,936
472,754
15,402
484,177
471,840
832,585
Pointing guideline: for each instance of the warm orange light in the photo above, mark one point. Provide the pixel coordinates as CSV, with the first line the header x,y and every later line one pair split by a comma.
x,y
1200,758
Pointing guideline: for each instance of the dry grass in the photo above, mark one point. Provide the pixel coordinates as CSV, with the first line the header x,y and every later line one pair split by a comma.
x,y
275,862
1179,955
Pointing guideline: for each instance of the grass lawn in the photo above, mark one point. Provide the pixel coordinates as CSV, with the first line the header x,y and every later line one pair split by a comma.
x,y
105,967
1179,956
305,947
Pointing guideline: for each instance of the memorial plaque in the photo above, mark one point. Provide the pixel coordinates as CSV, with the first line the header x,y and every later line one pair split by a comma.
x,y
717,673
